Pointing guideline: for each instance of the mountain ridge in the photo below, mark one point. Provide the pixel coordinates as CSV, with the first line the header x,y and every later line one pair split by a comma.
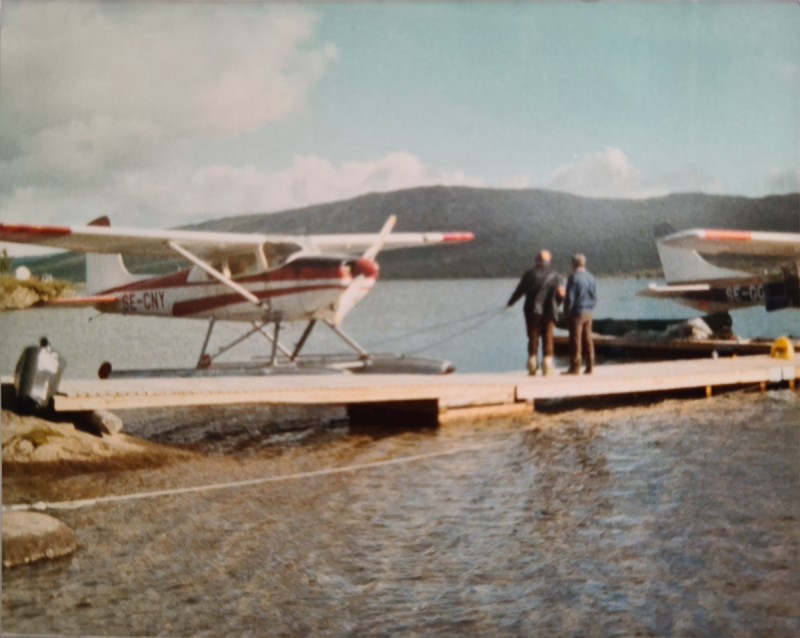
x,y
510,226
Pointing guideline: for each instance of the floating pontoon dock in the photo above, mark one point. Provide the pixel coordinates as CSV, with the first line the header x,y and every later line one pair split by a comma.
x,y
430,398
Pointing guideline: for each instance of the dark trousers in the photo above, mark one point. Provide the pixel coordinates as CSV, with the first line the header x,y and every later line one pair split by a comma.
x,y
580,337
540,327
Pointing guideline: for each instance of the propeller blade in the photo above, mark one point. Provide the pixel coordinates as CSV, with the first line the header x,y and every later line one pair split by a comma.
x,y
373,250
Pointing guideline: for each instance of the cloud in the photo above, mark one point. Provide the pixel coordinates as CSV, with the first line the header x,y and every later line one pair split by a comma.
x,y
162,197
610,174
89,90
783,181
606,173
226,190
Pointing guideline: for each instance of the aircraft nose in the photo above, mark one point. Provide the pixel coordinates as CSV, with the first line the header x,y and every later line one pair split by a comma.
x,y
366,267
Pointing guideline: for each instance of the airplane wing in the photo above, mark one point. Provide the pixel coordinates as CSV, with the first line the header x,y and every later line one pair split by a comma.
x,y
736,242
206,245
357,243
139,242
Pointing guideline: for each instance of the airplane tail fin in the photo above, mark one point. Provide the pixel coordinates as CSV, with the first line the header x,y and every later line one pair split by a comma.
x,y
683,265
663,229
105,271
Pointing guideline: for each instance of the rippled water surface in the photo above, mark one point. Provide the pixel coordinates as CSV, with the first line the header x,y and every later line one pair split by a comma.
x,y
461,321
672,519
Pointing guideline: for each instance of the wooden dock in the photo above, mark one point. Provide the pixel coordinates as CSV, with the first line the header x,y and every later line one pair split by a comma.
x,y
435,397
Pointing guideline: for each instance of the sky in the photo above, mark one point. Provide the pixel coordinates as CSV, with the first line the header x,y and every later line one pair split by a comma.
x,y
161,114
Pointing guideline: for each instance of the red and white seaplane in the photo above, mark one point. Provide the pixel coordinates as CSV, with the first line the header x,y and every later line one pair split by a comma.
x,y
253,278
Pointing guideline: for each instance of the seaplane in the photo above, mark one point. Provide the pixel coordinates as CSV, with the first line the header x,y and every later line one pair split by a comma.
x,y
696,282
258,279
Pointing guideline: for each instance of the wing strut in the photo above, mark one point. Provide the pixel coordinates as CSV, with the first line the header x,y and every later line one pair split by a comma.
x,y
201,360
303,339
362,354
206,359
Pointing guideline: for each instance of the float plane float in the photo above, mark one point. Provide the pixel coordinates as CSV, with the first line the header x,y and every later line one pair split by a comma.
x,y
694,281
258,279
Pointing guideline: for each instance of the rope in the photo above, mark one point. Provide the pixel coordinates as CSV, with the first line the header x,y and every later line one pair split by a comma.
x,y
469,328
482,317
88,502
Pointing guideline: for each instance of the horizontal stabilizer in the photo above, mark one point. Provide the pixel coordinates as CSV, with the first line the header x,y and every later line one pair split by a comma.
x,y
82,302
685,265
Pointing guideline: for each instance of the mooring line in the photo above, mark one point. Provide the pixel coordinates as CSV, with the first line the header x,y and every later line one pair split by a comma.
x,y
459,333
88,502
436,326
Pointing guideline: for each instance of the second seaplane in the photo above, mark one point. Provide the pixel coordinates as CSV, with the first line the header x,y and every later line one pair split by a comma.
x,y
262,280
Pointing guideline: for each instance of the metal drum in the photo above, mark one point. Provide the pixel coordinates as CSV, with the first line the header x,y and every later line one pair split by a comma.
x,y
37,376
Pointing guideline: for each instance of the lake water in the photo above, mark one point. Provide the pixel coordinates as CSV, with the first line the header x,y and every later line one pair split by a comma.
x,y
678,518
462,321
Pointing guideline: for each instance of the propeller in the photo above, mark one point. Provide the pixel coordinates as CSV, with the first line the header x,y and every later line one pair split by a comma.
x,y
362,268
373,250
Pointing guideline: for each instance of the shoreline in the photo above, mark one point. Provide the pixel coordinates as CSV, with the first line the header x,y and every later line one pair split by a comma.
x,y
16,294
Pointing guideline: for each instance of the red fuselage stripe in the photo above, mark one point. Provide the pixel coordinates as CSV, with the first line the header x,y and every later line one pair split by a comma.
x,y
195,306
180,279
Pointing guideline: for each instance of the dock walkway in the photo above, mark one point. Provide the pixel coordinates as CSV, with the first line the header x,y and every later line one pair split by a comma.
x,y
435,396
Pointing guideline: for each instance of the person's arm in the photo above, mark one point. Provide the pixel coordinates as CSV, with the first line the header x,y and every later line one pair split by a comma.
x,y
569,296
518,292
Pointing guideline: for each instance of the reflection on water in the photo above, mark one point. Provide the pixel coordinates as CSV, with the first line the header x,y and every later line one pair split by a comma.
x,y
676,519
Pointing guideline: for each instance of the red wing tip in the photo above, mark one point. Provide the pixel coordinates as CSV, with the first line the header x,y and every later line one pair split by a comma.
x,y
458,236
24,233
728,235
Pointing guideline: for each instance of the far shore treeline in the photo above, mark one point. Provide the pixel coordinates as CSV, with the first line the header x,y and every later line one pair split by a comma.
x,y
510,226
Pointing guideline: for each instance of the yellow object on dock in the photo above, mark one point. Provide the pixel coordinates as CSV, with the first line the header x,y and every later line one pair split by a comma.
x,y
782,348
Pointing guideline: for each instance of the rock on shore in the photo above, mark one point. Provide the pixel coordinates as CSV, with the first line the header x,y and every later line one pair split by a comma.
x,y
29,440
36,447
16,294
30,536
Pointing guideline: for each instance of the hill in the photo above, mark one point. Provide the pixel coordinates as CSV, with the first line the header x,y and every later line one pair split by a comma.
x,y
510,227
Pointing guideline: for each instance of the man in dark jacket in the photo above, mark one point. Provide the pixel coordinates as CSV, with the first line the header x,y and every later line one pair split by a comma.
x,y
543,290
580,300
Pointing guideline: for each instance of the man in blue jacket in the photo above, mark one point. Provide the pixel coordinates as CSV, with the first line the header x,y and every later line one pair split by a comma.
x,y
580,299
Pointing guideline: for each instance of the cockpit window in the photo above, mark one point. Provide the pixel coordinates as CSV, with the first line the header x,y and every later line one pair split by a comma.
x,y
277,253
243,264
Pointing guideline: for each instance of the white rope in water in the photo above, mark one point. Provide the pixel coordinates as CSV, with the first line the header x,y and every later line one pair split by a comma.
x,y
88,502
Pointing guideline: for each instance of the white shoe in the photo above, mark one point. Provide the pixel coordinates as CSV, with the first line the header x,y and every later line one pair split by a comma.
x,y
533,365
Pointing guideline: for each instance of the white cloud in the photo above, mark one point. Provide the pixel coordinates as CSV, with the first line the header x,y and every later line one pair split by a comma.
x,y
610,174
783,181
606,173
170,196
227,190
90,89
